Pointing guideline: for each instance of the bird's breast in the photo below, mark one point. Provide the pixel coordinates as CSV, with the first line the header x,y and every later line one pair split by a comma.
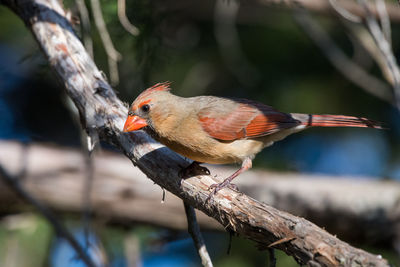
x,y
209,150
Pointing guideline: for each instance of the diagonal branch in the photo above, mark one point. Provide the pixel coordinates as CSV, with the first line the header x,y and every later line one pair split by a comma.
x,y
384,46
112,54
351,70
13,183
101,110
123,19
194,231
85,21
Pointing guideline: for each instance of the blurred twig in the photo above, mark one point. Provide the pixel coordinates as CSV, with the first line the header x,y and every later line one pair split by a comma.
x,y
132,251
86,192
194,231
339,60
229,44
382,52
344,12
123,19
85,20
364,38
113,55
384,46
384,19
89,140
272,258
13,183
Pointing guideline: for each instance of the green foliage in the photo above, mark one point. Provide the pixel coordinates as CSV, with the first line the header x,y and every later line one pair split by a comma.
x,y
24,240
244,253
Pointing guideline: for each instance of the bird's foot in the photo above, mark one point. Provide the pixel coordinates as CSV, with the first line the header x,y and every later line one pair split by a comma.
x,y
193,169
246,164
216,187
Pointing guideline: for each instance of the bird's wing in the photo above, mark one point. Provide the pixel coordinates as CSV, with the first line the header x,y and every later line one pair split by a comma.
x,y
245,119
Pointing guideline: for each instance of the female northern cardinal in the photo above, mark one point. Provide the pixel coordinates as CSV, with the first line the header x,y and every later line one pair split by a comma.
x,y
220,130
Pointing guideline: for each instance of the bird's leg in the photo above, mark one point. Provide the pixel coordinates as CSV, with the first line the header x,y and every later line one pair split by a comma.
x,y
193,169
246,164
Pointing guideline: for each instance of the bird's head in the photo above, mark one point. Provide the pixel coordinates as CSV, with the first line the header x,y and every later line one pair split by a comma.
x,y
146,107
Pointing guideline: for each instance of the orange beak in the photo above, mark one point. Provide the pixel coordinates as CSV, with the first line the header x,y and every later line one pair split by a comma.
x,y
134,123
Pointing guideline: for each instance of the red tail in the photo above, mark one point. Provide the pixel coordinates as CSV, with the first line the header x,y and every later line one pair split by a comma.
x,y
336,121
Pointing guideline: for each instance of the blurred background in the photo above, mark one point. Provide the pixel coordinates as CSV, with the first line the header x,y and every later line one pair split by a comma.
x,y
224,48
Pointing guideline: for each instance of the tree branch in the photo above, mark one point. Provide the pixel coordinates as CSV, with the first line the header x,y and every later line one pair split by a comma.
x,y
123,19
113,56
101,110
194,231
85,28
121,193
351,70
385,48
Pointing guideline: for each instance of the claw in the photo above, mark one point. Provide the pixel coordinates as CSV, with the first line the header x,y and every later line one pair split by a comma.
x,y
246,164
205,170
216,187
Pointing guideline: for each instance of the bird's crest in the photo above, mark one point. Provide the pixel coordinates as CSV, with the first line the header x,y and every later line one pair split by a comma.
x,y
143,98
164,86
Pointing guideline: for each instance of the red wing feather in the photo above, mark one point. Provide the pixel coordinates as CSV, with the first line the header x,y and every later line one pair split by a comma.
x,y
248,120
265,124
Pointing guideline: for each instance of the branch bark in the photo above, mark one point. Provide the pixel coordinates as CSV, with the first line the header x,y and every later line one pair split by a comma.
x,y
102,111
121,193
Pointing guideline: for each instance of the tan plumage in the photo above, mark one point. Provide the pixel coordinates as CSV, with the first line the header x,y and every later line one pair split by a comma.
x,y
220,130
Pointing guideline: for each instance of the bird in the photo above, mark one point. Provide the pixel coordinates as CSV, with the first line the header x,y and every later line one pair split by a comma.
x,y
219,130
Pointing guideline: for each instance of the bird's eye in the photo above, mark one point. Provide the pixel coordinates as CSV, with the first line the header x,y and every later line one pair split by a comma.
x,y
145,108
